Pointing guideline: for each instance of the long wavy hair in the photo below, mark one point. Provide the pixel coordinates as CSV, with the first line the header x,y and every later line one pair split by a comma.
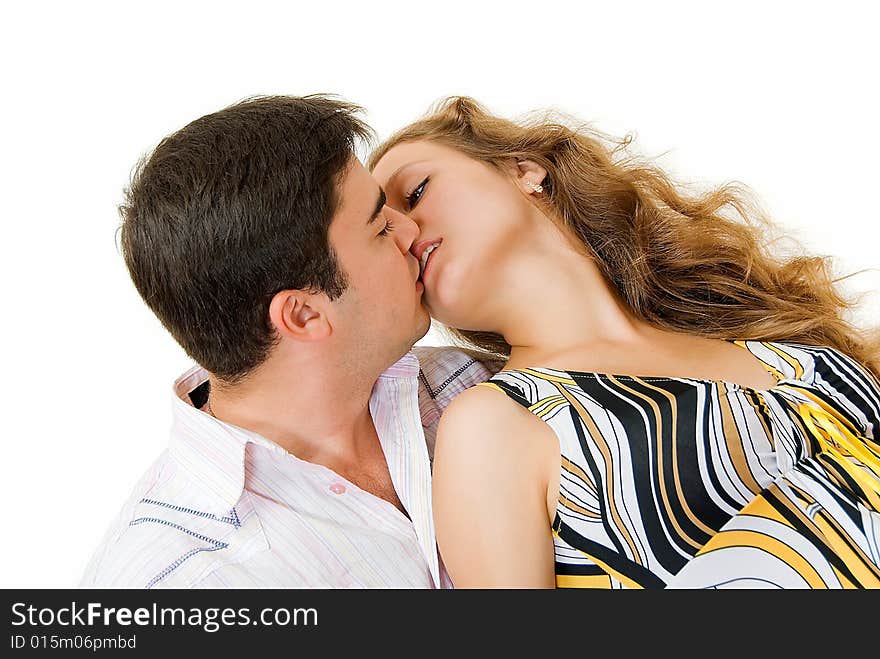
x,y
697,262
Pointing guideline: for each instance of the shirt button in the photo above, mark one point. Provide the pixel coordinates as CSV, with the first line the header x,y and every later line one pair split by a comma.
x,y
337,488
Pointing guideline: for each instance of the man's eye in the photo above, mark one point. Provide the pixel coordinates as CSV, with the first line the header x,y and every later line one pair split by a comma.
x,y
389,227
413,197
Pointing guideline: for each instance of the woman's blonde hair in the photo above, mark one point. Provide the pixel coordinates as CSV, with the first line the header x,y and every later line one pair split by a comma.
x,y
692,262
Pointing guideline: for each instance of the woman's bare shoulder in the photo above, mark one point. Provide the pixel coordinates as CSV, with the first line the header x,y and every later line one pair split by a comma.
x,y
483,420
484,404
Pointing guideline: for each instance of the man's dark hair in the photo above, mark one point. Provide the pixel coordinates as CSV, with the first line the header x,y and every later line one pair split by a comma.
x,y
231,209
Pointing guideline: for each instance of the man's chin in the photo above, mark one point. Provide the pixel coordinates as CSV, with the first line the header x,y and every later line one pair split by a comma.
x,y
424,327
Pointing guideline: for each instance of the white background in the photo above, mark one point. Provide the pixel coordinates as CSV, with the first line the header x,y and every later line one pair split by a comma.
x,y
781,96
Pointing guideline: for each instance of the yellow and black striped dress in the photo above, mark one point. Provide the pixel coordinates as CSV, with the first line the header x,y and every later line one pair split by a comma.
x,y
690,483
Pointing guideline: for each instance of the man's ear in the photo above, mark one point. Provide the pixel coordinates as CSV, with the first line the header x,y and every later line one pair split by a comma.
x,y
527,174
300,315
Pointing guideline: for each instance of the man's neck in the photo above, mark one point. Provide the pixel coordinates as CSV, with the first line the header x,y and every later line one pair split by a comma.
x,y
315,409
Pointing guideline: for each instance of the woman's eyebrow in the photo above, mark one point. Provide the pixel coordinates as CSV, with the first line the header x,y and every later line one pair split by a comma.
x,y
393,177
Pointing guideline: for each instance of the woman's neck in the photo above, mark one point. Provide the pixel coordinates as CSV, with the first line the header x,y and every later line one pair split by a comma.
x,y
557,302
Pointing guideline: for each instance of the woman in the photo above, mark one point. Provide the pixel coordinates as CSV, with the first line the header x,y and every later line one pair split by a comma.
x,y
677,407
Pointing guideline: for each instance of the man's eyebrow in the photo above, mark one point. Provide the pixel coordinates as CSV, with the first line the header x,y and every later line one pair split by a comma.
x,y
380,204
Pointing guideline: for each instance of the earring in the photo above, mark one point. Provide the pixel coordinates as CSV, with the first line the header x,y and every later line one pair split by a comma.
x,y
537,187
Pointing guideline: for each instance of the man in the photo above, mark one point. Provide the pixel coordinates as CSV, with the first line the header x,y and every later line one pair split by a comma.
x,y
301,443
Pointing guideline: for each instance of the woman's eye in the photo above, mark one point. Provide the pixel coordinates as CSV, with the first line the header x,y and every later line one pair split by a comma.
x,y
413,197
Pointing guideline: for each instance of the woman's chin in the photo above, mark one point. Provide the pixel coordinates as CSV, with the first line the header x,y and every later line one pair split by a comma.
x,y
439,313
457,318
449,299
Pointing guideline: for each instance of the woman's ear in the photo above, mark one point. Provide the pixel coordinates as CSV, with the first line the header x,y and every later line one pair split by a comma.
x,y
529,176
299,315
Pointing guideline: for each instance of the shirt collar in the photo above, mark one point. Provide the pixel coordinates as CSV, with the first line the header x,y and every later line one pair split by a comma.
x,y
214,452
405,367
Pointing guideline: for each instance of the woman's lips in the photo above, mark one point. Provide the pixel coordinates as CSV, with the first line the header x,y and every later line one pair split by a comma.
x,y
428,263
422,250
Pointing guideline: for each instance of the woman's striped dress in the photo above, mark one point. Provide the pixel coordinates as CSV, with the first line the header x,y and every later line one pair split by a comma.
x,y
681,482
